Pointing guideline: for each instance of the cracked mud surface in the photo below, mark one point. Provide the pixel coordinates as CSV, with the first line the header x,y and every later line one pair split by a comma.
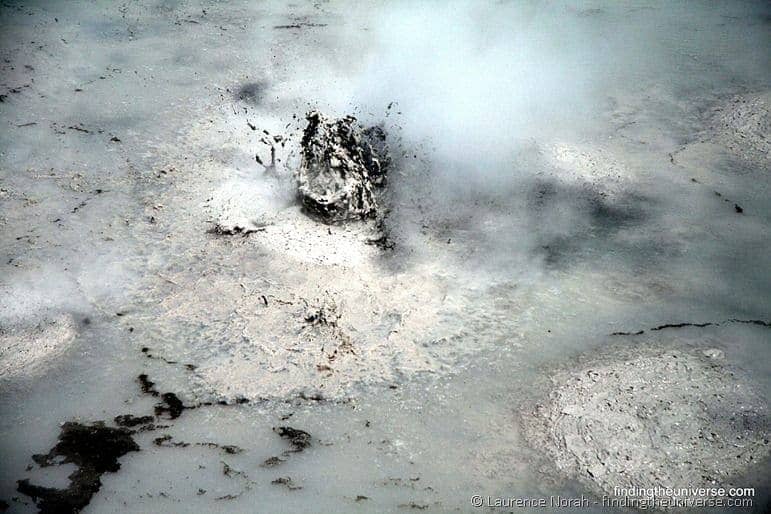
x,y
651,417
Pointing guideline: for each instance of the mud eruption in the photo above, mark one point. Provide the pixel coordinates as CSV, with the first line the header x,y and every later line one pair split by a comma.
x,y
343,168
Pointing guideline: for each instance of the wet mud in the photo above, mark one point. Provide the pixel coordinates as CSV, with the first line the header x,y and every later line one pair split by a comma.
x,y
343,168
95,449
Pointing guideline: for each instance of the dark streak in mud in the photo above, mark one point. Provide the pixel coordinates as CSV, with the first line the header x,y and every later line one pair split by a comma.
x,y
314,397
79,128
172,405
758,322
227,497
639,332
148,353
299,25
166,441
95,450
413,505
129,420
682,325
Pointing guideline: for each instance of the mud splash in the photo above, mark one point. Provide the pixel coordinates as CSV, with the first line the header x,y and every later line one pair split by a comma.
x,y
343,168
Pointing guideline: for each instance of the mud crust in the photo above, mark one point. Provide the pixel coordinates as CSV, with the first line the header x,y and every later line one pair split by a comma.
x,y
649,416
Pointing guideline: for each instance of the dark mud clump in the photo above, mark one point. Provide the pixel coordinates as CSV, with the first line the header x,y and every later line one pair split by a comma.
x,y
288,482
130,421
220,229
95,450
272,462
343,168
171,405
298,439
147,385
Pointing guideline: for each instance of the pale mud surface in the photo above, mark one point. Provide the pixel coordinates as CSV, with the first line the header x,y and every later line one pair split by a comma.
x,y
29,349
743,126
654,416
152,266
379,320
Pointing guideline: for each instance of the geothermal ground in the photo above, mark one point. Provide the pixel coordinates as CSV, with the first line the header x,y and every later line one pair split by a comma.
x,y
560,287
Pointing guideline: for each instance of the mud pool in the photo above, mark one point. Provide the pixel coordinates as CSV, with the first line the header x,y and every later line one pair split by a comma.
x,y
577,203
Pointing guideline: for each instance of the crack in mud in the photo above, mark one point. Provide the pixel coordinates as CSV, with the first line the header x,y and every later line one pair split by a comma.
x,y
166,442
758,322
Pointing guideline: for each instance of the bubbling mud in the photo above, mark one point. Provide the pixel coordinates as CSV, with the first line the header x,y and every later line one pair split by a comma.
x,y
343,168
